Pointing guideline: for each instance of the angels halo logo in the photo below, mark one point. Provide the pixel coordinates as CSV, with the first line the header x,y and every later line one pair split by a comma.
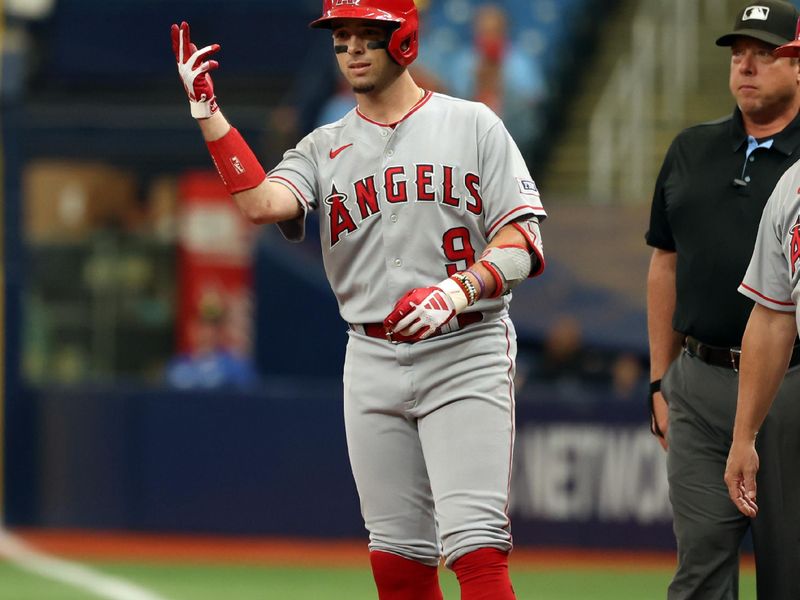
x,y
794,245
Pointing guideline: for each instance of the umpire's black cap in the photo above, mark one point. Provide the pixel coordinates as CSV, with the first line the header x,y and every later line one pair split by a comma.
x,y
771,21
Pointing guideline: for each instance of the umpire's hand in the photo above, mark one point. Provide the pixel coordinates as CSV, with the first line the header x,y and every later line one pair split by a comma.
x,y
740,476
659,418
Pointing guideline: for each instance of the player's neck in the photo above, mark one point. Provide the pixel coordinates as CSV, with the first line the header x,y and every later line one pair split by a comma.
x,y
392,103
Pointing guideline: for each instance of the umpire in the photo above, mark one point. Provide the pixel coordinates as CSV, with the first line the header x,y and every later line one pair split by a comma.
x,y
709,195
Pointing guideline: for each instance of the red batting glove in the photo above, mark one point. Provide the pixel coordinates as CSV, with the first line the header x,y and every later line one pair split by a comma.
x,y
418,314
194,68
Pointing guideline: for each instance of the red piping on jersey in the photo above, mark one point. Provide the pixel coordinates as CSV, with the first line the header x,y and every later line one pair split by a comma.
x,y
542,263
537,211
414,109
532,243
498,280
767,298
513,420
290,184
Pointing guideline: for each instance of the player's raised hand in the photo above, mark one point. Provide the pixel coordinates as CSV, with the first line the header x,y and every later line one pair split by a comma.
x,y
194,67
740,476
419,313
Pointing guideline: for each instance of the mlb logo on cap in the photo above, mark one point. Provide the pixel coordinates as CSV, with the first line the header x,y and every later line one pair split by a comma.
x,y
759,13
770,21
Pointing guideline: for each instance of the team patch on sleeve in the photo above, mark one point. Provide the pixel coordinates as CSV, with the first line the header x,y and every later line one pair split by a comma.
x,y
794,246
527,186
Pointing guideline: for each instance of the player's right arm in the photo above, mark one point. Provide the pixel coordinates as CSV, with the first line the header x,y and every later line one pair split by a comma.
x,y
267,202
260,200
766,350
665,342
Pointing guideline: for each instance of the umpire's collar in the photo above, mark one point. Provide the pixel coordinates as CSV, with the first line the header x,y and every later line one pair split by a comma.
x,y
786,141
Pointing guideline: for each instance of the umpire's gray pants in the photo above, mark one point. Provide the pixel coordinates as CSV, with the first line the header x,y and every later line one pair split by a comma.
x,y
708,527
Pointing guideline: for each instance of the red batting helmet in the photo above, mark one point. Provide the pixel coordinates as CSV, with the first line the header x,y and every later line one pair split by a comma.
x,y
403,41
792,49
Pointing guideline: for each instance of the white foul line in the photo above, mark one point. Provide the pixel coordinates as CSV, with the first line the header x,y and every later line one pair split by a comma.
x,y
104,586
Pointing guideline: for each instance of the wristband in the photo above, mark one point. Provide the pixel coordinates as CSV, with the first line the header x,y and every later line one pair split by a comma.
x,y
468,287
236,164
453,289
480,281
498,279
655,386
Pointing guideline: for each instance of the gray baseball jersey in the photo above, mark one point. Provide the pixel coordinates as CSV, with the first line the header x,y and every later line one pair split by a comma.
x,y
406,205
773,276
430,425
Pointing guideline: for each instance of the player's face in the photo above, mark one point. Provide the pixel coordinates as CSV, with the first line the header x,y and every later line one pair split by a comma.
x,y
764,86
366,69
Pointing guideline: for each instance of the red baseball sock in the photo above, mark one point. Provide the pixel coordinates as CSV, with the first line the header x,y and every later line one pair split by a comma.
x,y
399,578
483,575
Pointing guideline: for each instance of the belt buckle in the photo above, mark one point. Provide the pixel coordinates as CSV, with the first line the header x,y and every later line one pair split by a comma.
x,y
736,354
390,339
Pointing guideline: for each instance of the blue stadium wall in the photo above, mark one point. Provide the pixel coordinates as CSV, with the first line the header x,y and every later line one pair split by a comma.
x,y
275,463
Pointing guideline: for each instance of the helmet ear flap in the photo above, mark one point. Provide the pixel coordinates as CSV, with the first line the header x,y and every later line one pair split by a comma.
x,y
404,43
407,42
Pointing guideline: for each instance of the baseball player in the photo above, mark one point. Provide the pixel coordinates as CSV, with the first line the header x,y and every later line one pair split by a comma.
x,y
428,218
773,281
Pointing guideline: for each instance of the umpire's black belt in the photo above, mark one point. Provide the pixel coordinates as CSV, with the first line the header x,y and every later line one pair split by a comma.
x,y
725,357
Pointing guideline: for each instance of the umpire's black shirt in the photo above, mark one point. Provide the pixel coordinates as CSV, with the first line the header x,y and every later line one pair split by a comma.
x,y
707,205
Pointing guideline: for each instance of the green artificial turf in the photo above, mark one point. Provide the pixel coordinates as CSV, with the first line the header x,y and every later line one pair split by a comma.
x,y
224,582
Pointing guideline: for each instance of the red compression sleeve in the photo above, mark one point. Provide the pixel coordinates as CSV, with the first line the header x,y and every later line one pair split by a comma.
x,y
236,164
483,575
399,578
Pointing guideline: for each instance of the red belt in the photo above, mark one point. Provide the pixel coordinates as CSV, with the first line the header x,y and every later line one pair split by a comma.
x,y
377,330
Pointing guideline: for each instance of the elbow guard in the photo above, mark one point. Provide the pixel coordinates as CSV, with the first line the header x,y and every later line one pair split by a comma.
x,y
509,266
529,228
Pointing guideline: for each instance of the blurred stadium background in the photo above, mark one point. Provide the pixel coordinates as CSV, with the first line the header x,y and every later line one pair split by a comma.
x,y
171,375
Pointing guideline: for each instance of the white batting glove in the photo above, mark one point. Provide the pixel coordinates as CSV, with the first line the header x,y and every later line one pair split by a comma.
x,y
194,68
422,311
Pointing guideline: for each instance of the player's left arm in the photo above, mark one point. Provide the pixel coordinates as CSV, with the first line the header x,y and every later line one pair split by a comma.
x,y
766,350
513,255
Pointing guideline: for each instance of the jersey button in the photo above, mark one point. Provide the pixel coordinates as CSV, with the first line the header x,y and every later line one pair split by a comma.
x,y
390,153
393,218
398,262
747,179
384,133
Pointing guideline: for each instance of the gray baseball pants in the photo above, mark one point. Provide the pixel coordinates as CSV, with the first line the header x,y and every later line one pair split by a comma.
x,y
430,432
708,527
